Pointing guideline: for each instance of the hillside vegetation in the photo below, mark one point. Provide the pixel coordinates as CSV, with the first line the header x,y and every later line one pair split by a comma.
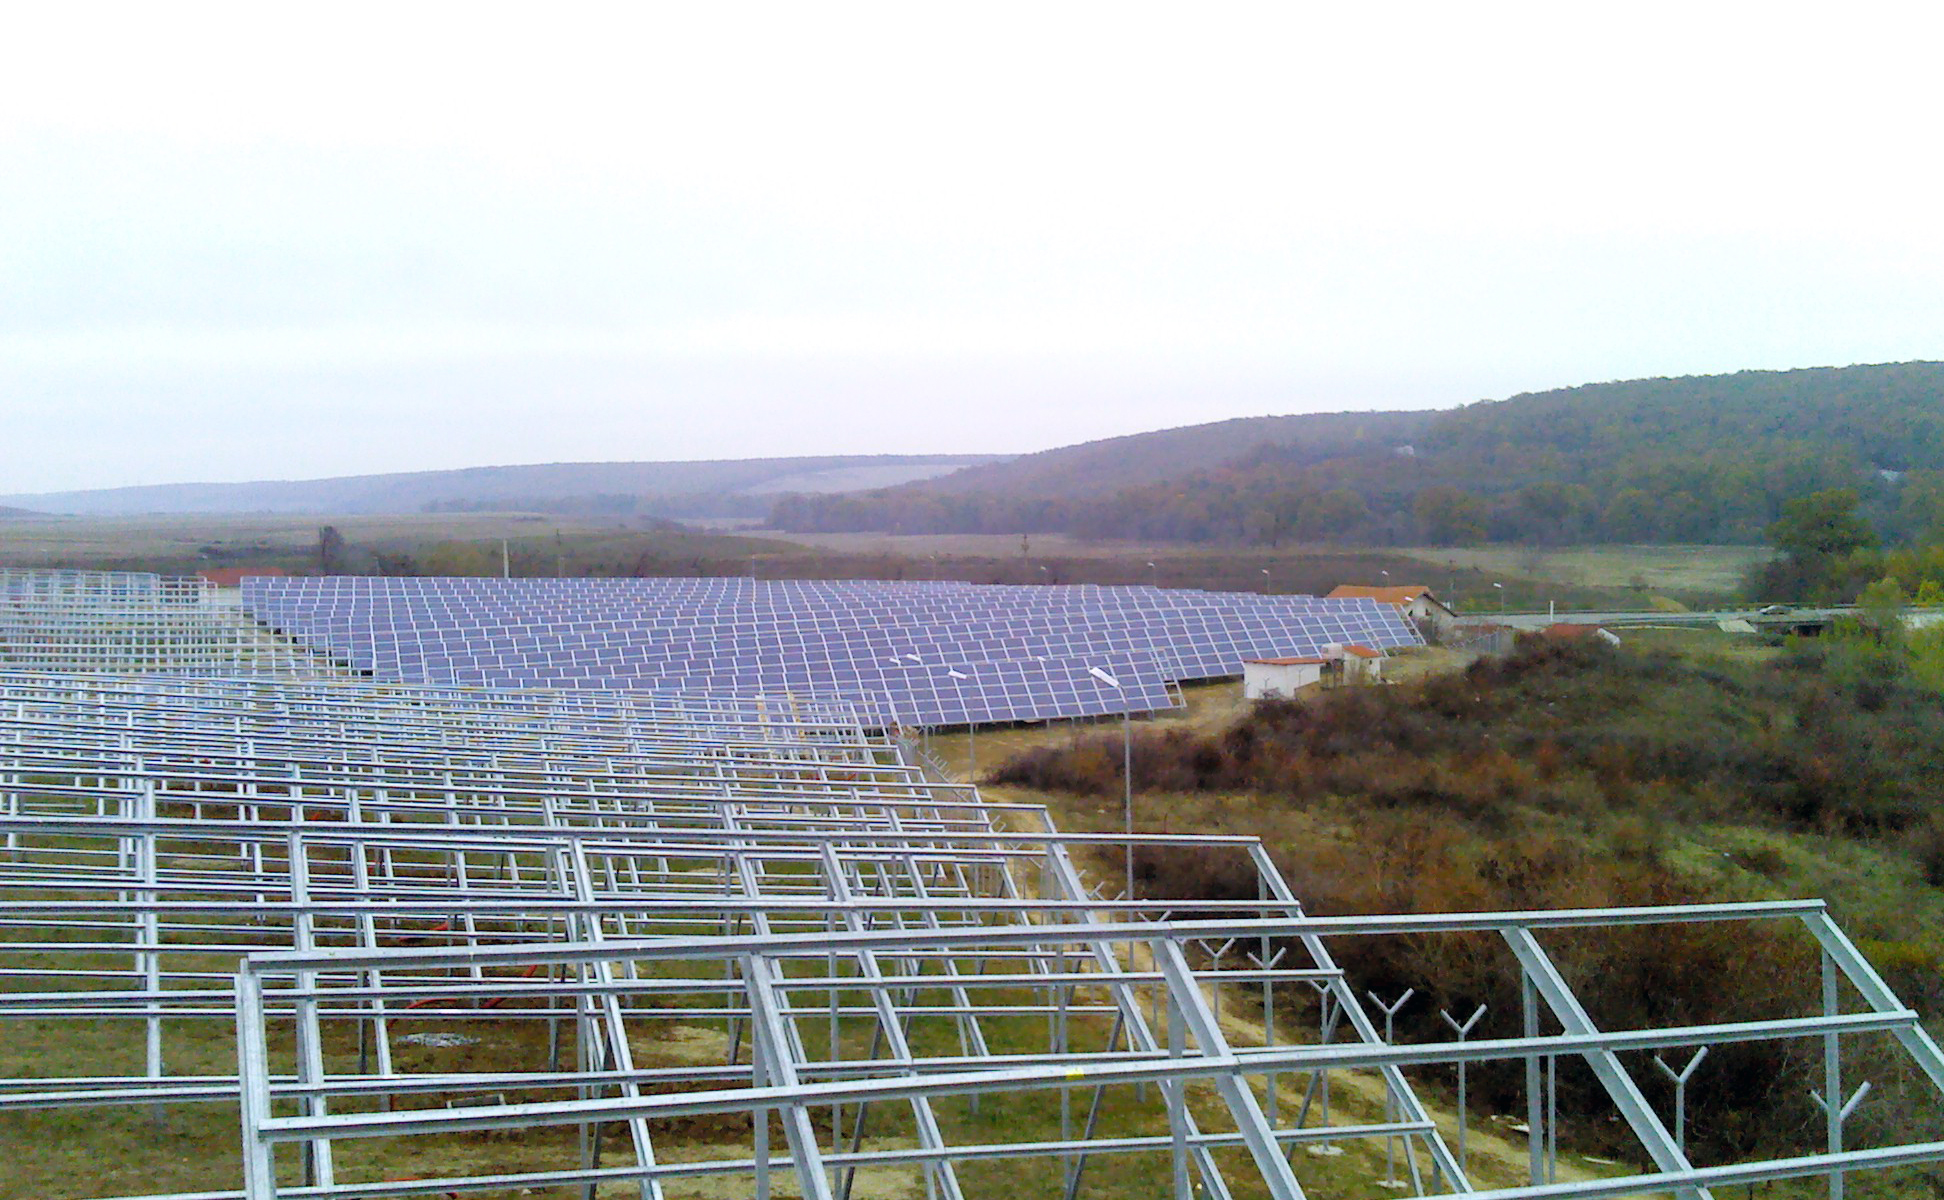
x,y
736,487
1112,464
1700,459
1570,775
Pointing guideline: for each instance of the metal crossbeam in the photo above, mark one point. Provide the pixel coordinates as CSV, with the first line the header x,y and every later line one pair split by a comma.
x,y
317,873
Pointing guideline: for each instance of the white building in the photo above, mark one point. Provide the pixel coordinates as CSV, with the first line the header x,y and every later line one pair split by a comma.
x,y
1278,678
1361,664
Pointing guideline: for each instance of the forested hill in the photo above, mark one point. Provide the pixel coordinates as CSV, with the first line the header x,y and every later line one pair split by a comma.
x,y
1884,417
1110,465
1693,459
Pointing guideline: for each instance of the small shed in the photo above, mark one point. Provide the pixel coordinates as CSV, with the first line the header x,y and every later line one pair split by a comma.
x,y
1279,678
1361,664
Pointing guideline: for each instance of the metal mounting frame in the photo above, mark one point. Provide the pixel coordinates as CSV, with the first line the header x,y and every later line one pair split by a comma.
x,y
308,868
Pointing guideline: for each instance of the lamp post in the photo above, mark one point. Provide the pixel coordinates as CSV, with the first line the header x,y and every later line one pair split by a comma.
x,y
1127,770
1153,576
1501,595
1265,581
971,733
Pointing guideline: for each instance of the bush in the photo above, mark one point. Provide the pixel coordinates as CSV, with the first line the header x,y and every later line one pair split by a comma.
x,y
1555,723
1552,778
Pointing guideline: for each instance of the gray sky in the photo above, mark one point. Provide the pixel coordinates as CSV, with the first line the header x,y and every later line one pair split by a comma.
x,y
286,241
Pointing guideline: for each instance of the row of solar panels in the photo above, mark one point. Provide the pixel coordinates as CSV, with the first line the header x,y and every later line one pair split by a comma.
x,y
1182,652
919,653
545,597
332,610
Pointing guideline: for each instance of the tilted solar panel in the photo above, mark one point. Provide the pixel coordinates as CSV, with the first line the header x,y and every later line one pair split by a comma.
x,y
920,652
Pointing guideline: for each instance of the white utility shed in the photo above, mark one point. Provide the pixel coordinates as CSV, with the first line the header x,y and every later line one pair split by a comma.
x,y
1361,664
1278,678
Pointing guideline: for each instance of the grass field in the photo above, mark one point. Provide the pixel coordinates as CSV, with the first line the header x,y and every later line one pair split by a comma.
x,y
455,543
60,541
1476,580
1667,569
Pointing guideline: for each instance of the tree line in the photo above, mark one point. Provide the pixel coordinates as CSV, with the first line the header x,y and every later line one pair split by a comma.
x,y
1691,460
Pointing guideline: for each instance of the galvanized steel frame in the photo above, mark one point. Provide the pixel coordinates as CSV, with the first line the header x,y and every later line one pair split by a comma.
x,y
363,855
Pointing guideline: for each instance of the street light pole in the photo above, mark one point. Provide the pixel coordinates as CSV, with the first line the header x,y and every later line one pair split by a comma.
x,y
1127,800
971,735
1127,770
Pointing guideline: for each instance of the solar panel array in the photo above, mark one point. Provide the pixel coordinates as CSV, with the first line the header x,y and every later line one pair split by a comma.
x,y
337,937
916,653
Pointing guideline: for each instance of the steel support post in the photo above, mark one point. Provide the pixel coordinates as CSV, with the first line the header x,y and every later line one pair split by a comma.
x,y
1620,1086
1535,1098
1140,1032
310,1047
1412,1108
772,1043
930,1135
1832,1100
150,933
1463,1030
253,1081
613,1023
1175,1092
1680,1080
1257,1134
379,1027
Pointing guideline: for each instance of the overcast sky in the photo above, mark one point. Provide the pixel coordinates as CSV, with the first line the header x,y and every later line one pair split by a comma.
x,y
288,241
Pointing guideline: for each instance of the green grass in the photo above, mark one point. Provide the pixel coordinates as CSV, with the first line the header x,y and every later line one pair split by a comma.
x,y
1693,574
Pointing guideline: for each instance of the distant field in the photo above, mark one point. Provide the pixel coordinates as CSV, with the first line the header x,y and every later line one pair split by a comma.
x,y
1528,578
851,479
978,545
1475,579
58,541
1649,568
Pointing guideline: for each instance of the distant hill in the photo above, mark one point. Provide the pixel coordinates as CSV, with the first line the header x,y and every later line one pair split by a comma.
x,y
724,488
1098,468
1692,459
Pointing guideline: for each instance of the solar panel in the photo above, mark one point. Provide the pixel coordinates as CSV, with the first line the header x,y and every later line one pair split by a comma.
x,y
918,653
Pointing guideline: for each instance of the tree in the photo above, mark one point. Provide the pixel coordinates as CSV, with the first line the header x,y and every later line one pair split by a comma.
x,y
330,550
1882,607
1450,517
1630,517
1333,516
1921,506
1827,550
1822,525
